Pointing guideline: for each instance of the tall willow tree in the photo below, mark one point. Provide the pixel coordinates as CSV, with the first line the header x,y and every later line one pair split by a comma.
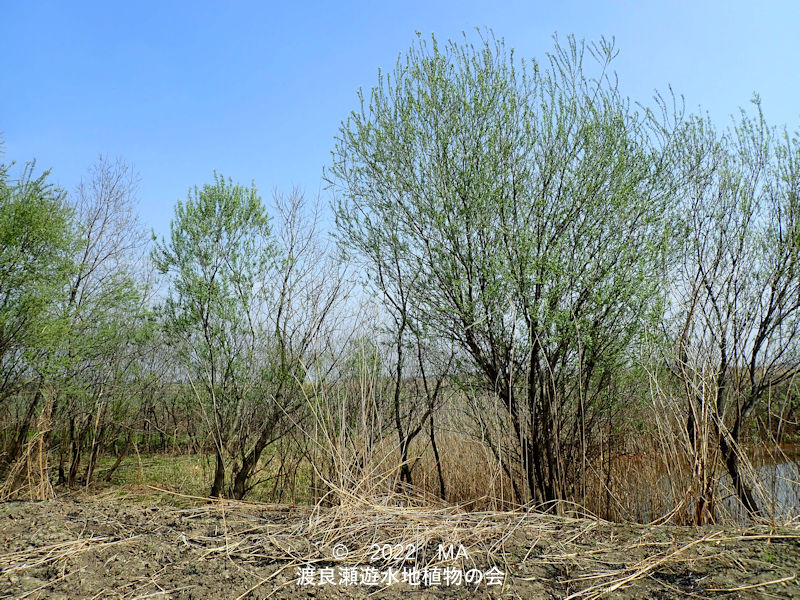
x,y
738,320
220,249
520,210
105,306
37,240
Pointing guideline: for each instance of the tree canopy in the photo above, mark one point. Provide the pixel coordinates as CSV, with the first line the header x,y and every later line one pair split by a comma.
x,y
524,209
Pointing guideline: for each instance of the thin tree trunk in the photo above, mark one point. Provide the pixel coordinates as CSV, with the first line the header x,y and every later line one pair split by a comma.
x,y
437,459
219,476
731,458
14,450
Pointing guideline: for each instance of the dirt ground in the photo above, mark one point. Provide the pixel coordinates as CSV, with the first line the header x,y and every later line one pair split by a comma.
x,y
156,546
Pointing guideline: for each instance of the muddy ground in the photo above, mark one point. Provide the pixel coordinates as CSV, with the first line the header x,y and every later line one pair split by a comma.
x,y
157,546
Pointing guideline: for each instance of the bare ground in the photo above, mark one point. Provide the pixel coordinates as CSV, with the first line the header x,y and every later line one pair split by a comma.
x,y
161,546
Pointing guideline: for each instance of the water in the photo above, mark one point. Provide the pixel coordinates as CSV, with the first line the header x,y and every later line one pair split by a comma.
x,y
778,494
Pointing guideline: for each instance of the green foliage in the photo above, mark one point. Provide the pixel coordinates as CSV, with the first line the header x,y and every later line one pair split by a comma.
x,y
524,208
37,240
736,321
530,199
220,244
218,259
741,254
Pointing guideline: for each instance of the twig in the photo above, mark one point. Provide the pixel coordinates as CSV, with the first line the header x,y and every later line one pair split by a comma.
x,y
753,586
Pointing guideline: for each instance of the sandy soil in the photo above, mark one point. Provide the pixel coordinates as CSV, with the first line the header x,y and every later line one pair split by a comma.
x,y
159,547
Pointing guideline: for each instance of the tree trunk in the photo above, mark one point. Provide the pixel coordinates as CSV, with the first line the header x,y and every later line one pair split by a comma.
x,y
120,457
437,459
731,459
249,463
219,476
75,445
14,450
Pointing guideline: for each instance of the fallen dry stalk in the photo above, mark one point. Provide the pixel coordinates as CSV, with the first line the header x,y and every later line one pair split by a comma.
x,y
639,570
570,557
753,586
16,562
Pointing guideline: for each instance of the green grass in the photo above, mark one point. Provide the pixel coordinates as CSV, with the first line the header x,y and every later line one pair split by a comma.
x,y
186,474
190,475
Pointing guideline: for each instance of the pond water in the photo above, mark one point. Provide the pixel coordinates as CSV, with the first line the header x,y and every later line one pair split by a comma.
x,y
779,493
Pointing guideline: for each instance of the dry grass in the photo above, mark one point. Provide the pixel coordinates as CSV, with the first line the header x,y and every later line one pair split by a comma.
x,y
28,476
572,557
17,562
588,558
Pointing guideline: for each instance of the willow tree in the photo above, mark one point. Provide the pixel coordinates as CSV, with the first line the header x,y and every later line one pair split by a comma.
x,y
737,325
520,211
37,238
105,306
218,254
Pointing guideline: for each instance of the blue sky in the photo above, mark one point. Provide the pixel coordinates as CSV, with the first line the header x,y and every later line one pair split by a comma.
x,y
256,90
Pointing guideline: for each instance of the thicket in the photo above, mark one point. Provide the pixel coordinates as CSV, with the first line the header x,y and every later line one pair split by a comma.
x,y
537,292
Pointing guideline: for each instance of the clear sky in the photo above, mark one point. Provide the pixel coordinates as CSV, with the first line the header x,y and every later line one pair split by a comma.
x,y
256,90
